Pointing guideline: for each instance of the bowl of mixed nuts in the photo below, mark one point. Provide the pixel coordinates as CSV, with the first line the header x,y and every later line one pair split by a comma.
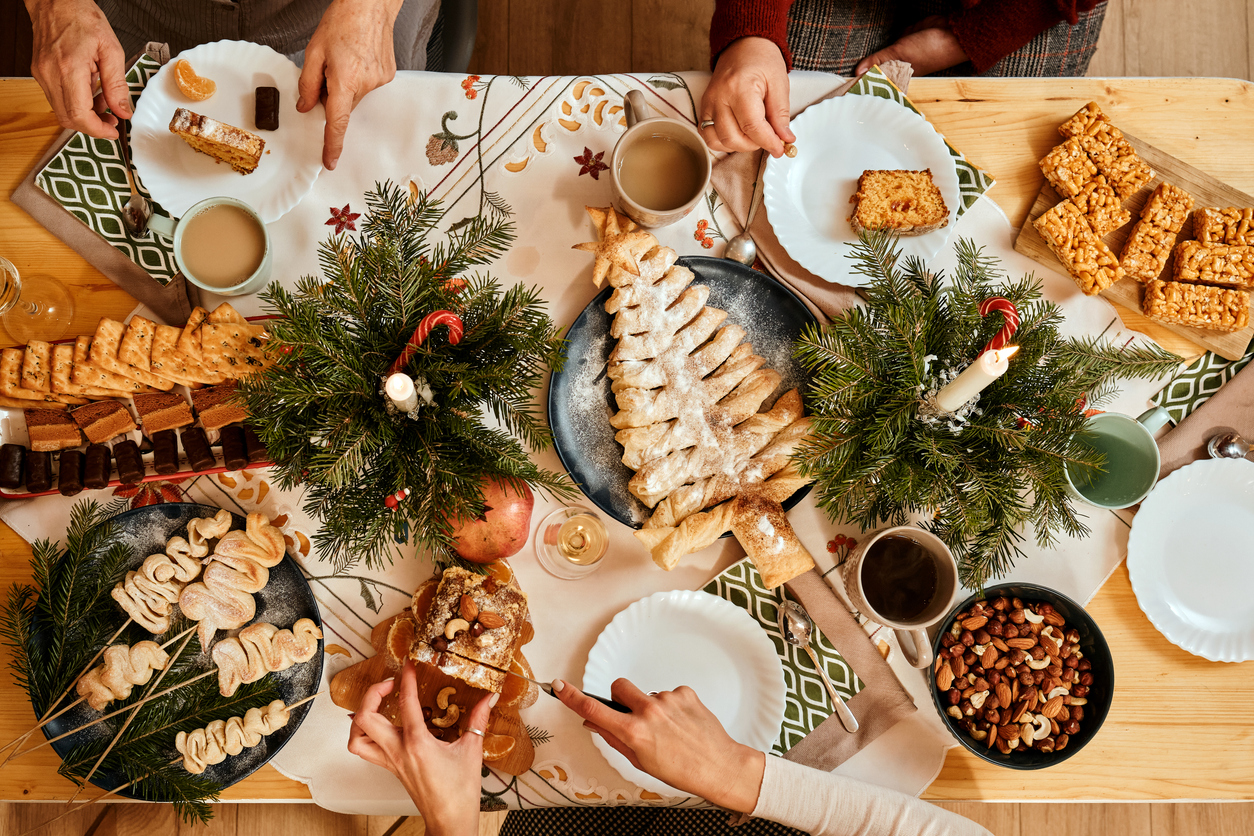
x,y
1023,677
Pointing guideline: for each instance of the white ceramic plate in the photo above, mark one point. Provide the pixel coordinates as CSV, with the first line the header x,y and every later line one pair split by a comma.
x,y
807,196
689,637
1191,558
178,177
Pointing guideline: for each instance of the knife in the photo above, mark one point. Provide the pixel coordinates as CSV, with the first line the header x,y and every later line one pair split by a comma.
x,y
543,686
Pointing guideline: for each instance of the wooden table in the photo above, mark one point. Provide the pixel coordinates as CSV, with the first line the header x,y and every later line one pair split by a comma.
x,y
1180,726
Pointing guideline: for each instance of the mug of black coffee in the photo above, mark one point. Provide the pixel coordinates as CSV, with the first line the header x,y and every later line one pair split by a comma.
x,y
906,578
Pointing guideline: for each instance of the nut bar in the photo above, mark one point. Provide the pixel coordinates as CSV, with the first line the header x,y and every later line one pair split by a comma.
x,y
1067,168
1086,120
1149,246
1224,226
1102,208
1115,158
1213,308
1089,261
1231,266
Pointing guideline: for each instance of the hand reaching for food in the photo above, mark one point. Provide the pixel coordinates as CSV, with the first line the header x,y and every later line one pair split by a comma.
x,y
745,106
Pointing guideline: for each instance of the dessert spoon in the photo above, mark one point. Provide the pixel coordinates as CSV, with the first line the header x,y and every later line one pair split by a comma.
x,y
138,210
1229,445
796,627
741,247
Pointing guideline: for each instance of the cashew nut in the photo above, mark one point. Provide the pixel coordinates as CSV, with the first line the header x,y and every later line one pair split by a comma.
x,y
978,649
954,711
442,698
979,734
1057,692
1079,701
1043,727
977,701
1037,664
457,625
1032,617
448,719
1027,733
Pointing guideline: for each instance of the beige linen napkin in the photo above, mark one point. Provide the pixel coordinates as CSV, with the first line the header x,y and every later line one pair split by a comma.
x,y
173,302
1231,408
879,706
733,179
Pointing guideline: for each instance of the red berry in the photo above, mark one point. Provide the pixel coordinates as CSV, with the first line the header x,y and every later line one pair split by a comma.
x,y
703,224
851,543
831,546
707,243
841,539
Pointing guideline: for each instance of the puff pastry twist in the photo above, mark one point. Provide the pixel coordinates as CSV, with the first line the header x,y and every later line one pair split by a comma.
x,y
223,598
212,744
262,648
122,669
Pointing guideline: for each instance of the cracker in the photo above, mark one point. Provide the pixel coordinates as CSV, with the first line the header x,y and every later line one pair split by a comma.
x,y
104,353
135,348
22,403
62,368
225,313
189,340
233,349
35,366
10,381
168,361
85,373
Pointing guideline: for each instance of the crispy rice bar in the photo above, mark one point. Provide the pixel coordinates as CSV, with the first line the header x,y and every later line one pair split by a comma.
x,y
1102,208
1086,120
1231,266
1224,226
1089,261
1149,246
1213,308
1115,158
1067,168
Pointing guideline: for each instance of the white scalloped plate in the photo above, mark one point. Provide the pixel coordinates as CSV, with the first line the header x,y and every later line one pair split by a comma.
x,y
1191,558
689,637
178,177
807,196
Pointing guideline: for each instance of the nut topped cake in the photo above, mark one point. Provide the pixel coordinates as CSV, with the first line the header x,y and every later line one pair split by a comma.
x,y
237,147
907,202
473,618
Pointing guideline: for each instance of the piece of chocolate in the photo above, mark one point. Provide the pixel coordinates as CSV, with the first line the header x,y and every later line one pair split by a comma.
x,y
38,471
96,466
70,473
13,466
257,451
234,451
196,446
129,461
266,117
165,452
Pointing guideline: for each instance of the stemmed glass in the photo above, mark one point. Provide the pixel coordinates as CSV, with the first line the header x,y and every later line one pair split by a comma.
x,y
39,309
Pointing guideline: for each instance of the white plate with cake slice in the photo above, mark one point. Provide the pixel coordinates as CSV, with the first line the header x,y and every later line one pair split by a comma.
x,y
807,197
177,176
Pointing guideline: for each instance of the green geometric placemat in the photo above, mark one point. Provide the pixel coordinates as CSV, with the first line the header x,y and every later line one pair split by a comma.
x,y
973,181
88,178
807,702
1195,385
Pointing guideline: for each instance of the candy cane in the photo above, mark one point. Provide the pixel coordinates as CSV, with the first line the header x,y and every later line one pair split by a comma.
x,y
1009,312
429,322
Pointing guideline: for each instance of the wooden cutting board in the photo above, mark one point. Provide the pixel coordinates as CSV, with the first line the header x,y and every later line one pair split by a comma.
x,y
1207,191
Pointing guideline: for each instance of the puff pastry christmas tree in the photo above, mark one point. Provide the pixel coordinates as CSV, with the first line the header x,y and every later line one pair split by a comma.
x,y
690,391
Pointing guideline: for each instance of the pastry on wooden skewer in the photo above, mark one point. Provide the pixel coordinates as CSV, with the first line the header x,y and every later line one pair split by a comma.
x,y
262,648
223,598
204,747
123,668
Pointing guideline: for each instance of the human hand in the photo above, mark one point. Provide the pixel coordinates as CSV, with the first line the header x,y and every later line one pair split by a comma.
x,y
747,99
928,46
74,46
441,778
350,54
674,737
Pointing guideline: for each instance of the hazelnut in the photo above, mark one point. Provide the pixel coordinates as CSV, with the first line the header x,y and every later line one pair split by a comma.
x,y
1086,679
1038,653
947,640
1068,675
1009,631
966,638
1060,742
1070,662
1038,677
954,696
1072,727
993,716
1000,604
1077,713
1025,679
994,628
426,712
1084,665
982,636
476,630
1016,603
956,649
1054,671
1046,745
1073,636
439,644
1017,616
968,710
1080,691
969,657
1016,656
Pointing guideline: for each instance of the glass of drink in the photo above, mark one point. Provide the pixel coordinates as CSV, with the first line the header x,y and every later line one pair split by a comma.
x,y
37,310
571,542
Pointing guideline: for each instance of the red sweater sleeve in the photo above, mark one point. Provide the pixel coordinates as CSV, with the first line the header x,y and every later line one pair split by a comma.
x,y
992,29
735,19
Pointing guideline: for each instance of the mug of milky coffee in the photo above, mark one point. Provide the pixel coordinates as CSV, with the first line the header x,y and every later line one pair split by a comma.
x,y
220,244
905,578
660,168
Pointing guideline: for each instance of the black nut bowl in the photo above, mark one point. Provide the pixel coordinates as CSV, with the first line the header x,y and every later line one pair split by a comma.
x,y
1092,645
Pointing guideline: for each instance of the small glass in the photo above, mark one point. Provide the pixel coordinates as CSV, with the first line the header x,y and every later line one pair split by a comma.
x,y
571,542
39,310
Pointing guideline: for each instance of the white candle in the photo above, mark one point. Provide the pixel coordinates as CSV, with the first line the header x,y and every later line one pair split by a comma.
x,y
400,389
975,378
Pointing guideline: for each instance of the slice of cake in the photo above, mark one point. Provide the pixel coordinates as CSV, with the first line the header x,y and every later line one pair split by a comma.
x,y
162,411
239,148
103,420
50,430
906,202
472,618
216,406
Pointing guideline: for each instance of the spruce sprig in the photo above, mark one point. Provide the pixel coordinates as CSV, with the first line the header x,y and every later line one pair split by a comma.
x,y
979,488
319,408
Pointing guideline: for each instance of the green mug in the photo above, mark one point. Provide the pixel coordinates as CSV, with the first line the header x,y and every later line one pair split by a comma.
x,y
1132,460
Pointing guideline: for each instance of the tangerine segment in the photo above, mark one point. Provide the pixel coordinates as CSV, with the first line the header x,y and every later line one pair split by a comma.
x,y
195,87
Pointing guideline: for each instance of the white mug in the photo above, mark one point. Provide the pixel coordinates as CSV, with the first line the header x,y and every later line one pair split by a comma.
x,y
173,229
641,124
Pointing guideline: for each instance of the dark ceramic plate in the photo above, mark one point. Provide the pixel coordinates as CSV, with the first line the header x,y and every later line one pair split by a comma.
x,y
1092,645
580,401
286,598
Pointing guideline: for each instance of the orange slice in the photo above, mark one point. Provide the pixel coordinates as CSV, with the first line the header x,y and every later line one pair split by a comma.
x,y
195,87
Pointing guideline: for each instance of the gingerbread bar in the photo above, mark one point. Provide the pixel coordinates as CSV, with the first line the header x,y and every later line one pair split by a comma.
x,y
1102,208
1231,266
1149,246
1224,226
1088,260
1115,158
1067,168
1213,308
1086,120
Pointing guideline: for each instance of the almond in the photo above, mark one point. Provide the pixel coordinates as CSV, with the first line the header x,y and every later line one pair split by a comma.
x,y
1022,644
1003,695
1051,708
975,622
491,620
959,665
467,608
945,678
1008,732
1053,618
989,658
1000,644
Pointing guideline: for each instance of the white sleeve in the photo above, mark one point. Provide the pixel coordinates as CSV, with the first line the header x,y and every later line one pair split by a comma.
x,y
823,804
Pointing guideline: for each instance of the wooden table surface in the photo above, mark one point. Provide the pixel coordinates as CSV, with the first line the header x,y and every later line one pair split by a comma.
x,y
1180,726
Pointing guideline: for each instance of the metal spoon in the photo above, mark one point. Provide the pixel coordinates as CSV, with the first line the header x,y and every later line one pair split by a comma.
x,y
1229,445
741,247
796,626
138,210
